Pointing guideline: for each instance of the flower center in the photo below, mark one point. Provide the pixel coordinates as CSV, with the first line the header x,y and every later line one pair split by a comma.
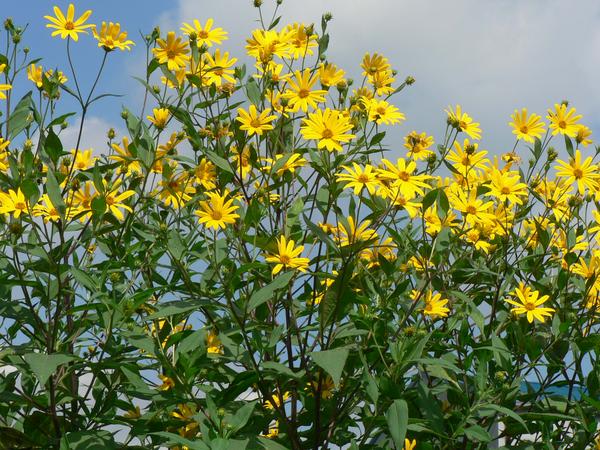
x,y
255,123
578,173
327,133
21,206
381,111
217,215
471,209
284,259
203,34
69,25
505,190
110,200
404,176
529,306
363,178
428,307
463,125
562,124
303,93
524,129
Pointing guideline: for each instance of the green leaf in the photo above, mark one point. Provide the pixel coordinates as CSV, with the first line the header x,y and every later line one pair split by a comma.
x,y
508,412
332,361
220,162
178,307
21,116
88,440
266,293
176,439
54,193
477,433
241,417
53,147
430,198
43,365
397,420
270,444
253,91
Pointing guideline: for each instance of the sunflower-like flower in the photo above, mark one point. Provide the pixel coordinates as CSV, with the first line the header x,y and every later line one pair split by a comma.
x,y
563,121
529,302
463,122
584,174
360,178
330,128
526,127
112,37
173,51
287,256
218,211
67,26
205,34
254,122
300,94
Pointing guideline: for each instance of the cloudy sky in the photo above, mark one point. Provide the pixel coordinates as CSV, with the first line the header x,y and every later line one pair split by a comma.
x,y
491,56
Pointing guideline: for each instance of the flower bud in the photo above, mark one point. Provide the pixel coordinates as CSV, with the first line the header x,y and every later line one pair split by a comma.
x,y
409,80
26,50
8,24
64,125
257,3
27,145
156,89
327,16
565,102
15,228
124,114
111,134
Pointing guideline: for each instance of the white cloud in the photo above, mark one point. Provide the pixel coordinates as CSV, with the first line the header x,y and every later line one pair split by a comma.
x,y
94,134
491,57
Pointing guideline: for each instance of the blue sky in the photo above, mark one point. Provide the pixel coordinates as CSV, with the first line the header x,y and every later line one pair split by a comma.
x,y
490,56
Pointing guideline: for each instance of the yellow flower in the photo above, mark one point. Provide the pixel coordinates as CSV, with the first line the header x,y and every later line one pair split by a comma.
x,y
241,159
254,122
299,42
526,128
278,400
299,95
372,64
273,430
463,122
67,26
173,51
360,178
13,202
467,158
293,162
167,383
217,212
563,121
287,256
473,209
83,159
399,199
160,117
380,111
529,302
213,343
435,305
4,87
330,74
352,234
382,82
176,190
583,134
46,209
329,128
506,186
264,44
114,200
402,176
205,34
36,73
128,163
111,37
585,175
218,68
418,145
409,445
206,174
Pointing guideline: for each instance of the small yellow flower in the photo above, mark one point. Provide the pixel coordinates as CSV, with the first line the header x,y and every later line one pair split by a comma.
x,y
218,211
254,122
529,303
173,51
463,122
167,383
563,121
160,117
205,34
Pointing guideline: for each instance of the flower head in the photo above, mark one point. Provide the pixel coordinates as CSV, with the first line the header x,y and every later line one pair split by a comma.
x,y
526,127
563,121
67,26
205,34
111,37
254,122
330,128
529,302
287,256
173,51
218,211
463,122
